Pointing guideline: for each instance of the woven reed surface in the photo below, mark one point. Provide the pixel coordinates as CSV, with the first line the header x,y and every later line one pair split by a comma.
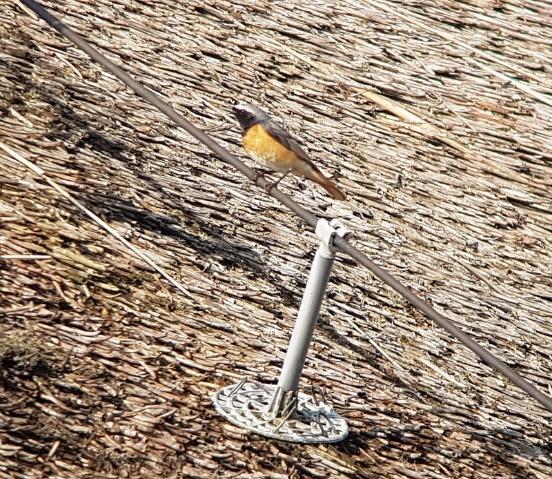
x,y
107,371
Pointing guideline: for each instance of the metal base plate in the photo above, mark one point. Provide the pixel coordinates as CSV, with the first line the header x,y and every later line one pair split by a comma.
x,y
247,403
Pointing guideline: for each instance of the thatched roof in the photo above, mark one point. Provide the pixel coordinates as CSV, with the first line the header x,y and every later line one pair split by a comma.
x,y
107,371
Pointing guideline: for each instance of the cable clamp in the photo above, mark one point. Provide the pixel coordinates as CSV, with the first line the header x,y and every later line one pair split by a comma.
x,y
327,231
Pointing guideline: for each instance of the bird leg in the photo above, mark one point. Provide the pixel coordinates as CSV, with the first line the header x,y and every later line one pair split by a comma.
x,y
259,173
273,185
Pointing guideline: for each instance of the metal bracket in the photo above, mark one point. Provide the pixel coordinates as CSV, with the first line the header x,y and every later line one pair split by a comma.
x,y
327,231
308,420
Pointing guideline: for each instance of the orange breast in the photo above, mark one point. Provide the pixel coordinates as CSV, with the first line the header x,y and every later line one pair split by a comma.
x,y
263,148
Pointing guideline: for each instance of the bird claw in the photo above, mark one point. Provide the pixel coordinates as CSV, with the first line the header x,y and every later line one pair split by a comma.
x,y
270,186
258,174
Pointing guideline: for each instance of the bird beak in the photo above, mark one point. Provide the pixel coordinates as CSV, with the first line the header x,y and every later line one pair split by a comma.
x,y
235,110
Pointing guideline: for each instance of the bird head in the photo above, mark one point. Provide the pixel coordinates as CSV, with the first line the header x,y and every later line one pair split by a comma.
x,y
248,114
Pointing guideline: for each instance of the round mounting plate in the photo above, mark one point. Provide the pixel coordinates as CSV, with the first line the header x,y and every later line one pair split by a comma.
x,y
246,404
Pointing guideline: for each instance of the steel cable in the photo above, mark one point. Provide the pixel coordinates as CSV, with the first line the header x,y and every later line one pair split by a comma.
x,y
310,218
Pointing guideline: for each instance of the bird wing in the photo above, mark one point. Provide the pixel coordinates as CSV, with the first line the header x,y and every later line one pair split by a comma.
x,y
283,137
311,171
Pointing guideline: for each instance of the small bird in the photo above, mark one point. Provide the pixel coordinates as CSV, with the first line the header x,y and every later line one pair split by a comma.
x,y
268,143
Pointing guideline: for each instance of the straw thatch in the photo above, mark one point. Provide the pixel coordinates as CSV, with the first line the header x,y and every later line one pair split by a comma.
x,y
107,371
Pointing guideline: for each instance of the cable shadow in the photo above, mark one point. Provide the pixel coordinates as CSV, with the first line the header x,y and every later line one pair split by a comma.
x,y
210,243
498,443
82,131
424,442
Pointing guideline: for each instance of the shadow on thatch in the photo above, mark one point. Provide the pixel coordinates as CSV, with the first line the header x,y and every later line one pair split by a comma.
x,y
107,371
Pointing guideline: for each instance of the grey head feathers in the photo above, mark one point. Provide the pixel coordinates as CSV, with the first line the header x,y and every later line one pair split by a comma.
x,y
249,115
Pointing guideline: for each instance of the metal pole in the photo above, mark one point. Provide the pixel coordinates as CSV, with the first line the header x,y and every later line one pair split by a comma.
x,y
284,400
306,319
282,412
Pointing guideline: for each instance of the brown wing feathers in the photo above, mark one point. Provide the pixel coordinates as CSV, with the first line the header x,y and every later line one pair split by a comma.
x,y
311,171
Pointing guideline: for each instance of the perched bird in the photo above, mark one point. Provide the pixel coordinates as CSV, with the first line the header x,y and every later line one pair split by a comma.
x,y
268,143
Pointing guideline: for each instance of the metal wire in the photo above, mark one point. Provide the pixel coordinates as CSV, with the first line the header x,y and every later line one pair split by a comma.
x,y
311,219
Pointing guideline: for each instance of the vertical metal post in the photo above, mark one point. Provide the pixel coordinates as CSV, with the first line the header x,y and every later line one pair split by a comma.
x,y
284,400
306,319
282,412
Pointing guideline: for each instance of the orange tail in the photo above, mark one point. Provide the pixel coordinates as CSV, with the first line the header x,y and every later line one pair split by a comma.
x,y
317,176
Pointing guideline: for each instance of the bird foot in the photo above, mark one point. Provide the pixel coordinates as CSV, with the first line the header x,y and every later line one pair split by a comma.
x,y
268,188
259,174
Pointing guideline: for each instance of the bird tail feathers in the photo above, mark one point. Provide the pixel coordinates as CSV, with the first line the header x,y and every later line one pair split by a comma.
x,y
318,177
